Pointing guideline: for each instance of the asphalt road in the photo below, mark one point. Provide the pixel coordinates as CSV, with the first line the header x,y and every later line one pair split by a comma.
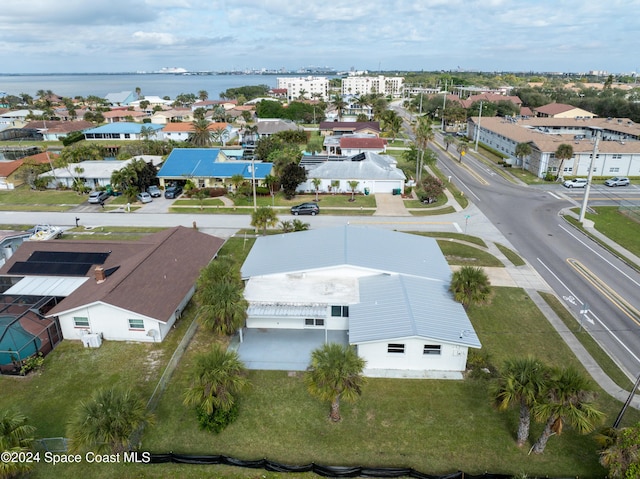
x,y
586,276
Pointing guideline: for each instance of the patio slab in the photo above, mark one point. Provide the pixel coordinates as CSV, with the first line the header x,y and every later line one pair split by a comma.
x,y
283,349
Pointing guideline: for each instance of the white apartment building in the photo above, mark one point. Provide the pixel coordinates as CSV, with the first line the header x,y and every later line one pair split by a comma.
x,y
311,87
363,85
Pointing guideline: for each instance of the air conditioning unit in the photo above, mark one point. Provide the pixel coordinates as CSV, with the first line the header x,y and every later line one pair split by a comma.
x,y
92,340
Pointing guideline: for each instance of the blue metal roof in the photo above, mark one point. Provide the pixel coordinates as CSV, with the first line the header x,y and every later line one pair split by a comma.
x,y
123,127
201,163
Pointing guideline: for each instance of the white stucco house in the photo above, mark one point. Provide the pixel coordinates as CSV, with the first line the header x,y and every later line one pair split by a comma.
x,y
386,291
114,290
93,173
374,173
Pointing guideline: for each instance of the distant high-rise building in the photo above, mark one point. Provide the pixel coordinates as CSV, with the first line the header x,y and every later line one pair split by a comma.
x,y
363,85
309,87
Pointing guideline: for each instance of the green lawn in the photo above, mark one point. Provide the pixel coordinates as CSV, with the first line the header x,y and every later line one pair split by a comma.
x,y
620,228
324,200
511,255
459,236
435,426
465,255
25,199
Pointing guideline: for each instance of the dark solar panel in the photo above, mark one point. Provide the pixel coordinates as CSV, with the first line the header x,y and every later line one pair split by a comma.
x,y
50,269
68,257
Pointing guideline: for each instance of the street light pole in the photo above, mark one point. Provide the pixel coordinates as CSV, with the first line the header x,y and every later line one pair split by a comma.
x,y
253,182
478,127
583,208
444,102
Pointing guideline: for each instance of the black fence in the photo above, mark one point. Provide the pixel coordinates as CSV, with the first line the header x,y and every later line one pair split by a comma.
x,y
325,471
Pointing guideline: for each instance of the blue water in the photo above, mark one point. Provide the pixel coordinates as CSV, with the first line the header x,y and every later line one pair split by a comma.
x,y
15,339
71,85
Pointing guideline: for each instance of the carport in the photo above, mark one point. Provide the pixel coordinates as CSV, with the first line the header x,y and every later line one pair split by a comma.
x,y
282,349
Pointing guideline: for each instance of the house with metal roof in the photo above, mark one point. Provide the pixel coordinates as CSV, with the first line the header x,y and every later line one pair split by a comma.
x,y
123,130
208,167
113,290
92,173
120,98
374,173
382,291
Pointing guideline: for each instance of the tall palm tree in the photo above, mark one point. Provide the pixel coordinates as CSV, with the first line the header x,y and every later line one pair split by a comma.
x,y
263,218
339,104
215,380
353,184
203,95
223,308
522,151
469,285
521,383
569,399
316,183
335,373
424,134
462,148
106,422
200,136
448,139
564,152
15,436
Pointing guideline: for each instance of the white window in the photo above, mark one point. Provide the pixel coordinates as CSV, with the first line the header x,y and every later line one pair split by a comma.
x,y
395,348
340,311
81,322
431,349
614,170
136,324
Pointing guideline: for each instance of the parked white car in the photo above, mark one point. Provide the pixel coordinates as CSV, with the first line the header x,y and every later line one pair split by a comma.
x,y
575,183
617,181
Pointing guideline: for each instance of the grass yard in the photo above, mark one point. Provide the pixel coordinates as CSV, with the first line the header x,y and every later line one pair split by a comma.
x,y
466,255
620,228
511,255
433,212
434,426
459,236
324,200
25,199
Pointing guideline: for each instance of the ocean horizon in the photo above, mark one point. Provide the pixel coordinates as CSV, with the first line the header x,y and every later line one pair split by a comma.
x,y
150,84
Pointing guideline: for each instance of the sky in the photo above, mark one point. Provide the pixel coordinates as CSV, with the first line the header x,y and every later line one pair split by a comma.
x,y
105,36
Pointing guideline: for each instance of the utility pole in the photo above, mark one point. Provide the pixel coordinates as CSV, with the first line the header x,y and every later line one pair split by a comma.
x,y
583,208
444,102
478,127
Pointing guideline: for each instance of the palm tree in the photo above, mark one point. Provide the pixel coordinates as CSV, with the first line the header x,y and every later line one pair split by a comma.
x,y
353,184
106,422
200,136
215,380
316,183
424,134
470,285
138,92
335,373
620,450
569,398
521,383
564,152
263,218
463,146
522,151
448,139
223,308
15,436
236,181
339,104
203,95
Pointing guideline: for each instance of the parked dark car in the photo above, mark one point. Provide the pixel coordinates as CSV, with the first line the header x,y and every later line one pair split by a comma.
x,y
305,209
173,192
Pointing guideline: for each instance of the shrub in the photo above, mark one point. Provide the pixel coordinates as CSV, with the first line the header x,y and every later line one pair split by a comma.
x,y
32,363
479,365
218,419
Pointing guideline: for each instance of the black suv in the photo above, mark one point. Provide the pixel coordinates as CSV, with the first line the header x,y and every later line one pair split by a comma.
x,y
173,192
305,209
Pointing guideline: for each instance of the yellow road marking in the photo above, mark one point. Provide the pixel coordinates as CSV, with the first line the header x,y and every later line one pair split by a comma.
x,y
617,300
